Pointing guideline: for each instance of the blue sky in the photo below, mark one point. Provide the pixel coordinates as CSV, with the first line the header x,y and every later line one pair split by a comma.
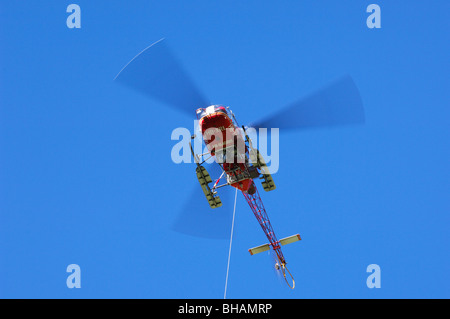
x,y
86,175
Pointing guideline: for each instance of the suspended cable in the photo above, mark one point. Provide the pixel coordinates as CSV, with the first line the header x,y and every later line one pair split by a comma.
x,y
229,251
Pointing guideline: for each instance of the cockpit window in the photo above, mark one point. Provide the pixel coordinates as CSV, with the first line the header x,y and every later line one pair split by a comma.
x,y
200,113
220,109
210,110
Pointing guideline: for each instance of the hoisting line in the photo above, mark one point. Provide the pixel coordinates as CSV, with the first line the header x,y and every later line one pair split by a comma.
x,y
229,251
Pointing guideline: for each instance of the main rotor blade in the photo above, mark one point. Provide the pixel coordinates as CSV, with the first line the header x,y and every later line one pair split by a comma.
x,y
337,104
155,72
198,219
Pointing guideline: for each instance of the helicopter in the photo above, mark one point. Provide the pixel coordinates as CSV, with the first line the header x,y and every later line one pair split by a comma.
x,y
241,165
155,72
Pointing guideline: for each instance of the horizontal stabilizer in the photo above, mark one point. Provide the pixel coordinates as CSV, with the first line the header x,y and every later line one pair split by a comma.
x,y
266,247
259,249
290,239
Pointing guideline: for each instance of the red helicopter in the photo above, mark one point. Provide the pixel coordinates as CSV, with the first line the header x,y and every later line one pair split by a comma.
x,y
241,165
156,72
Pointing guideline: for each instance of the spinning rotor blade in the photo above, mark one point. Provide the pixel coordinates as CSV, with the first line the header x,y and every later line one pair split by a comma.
x,y
198,219
155,72
337,104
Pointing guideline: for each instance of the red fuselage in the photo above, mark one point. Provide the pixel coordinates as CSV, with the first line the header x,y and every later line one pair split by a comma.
x,y
220,134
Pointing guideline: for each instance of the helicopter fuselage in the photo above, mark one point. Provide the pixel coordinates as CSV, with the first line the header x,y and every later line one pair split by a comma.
x,y
225,141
